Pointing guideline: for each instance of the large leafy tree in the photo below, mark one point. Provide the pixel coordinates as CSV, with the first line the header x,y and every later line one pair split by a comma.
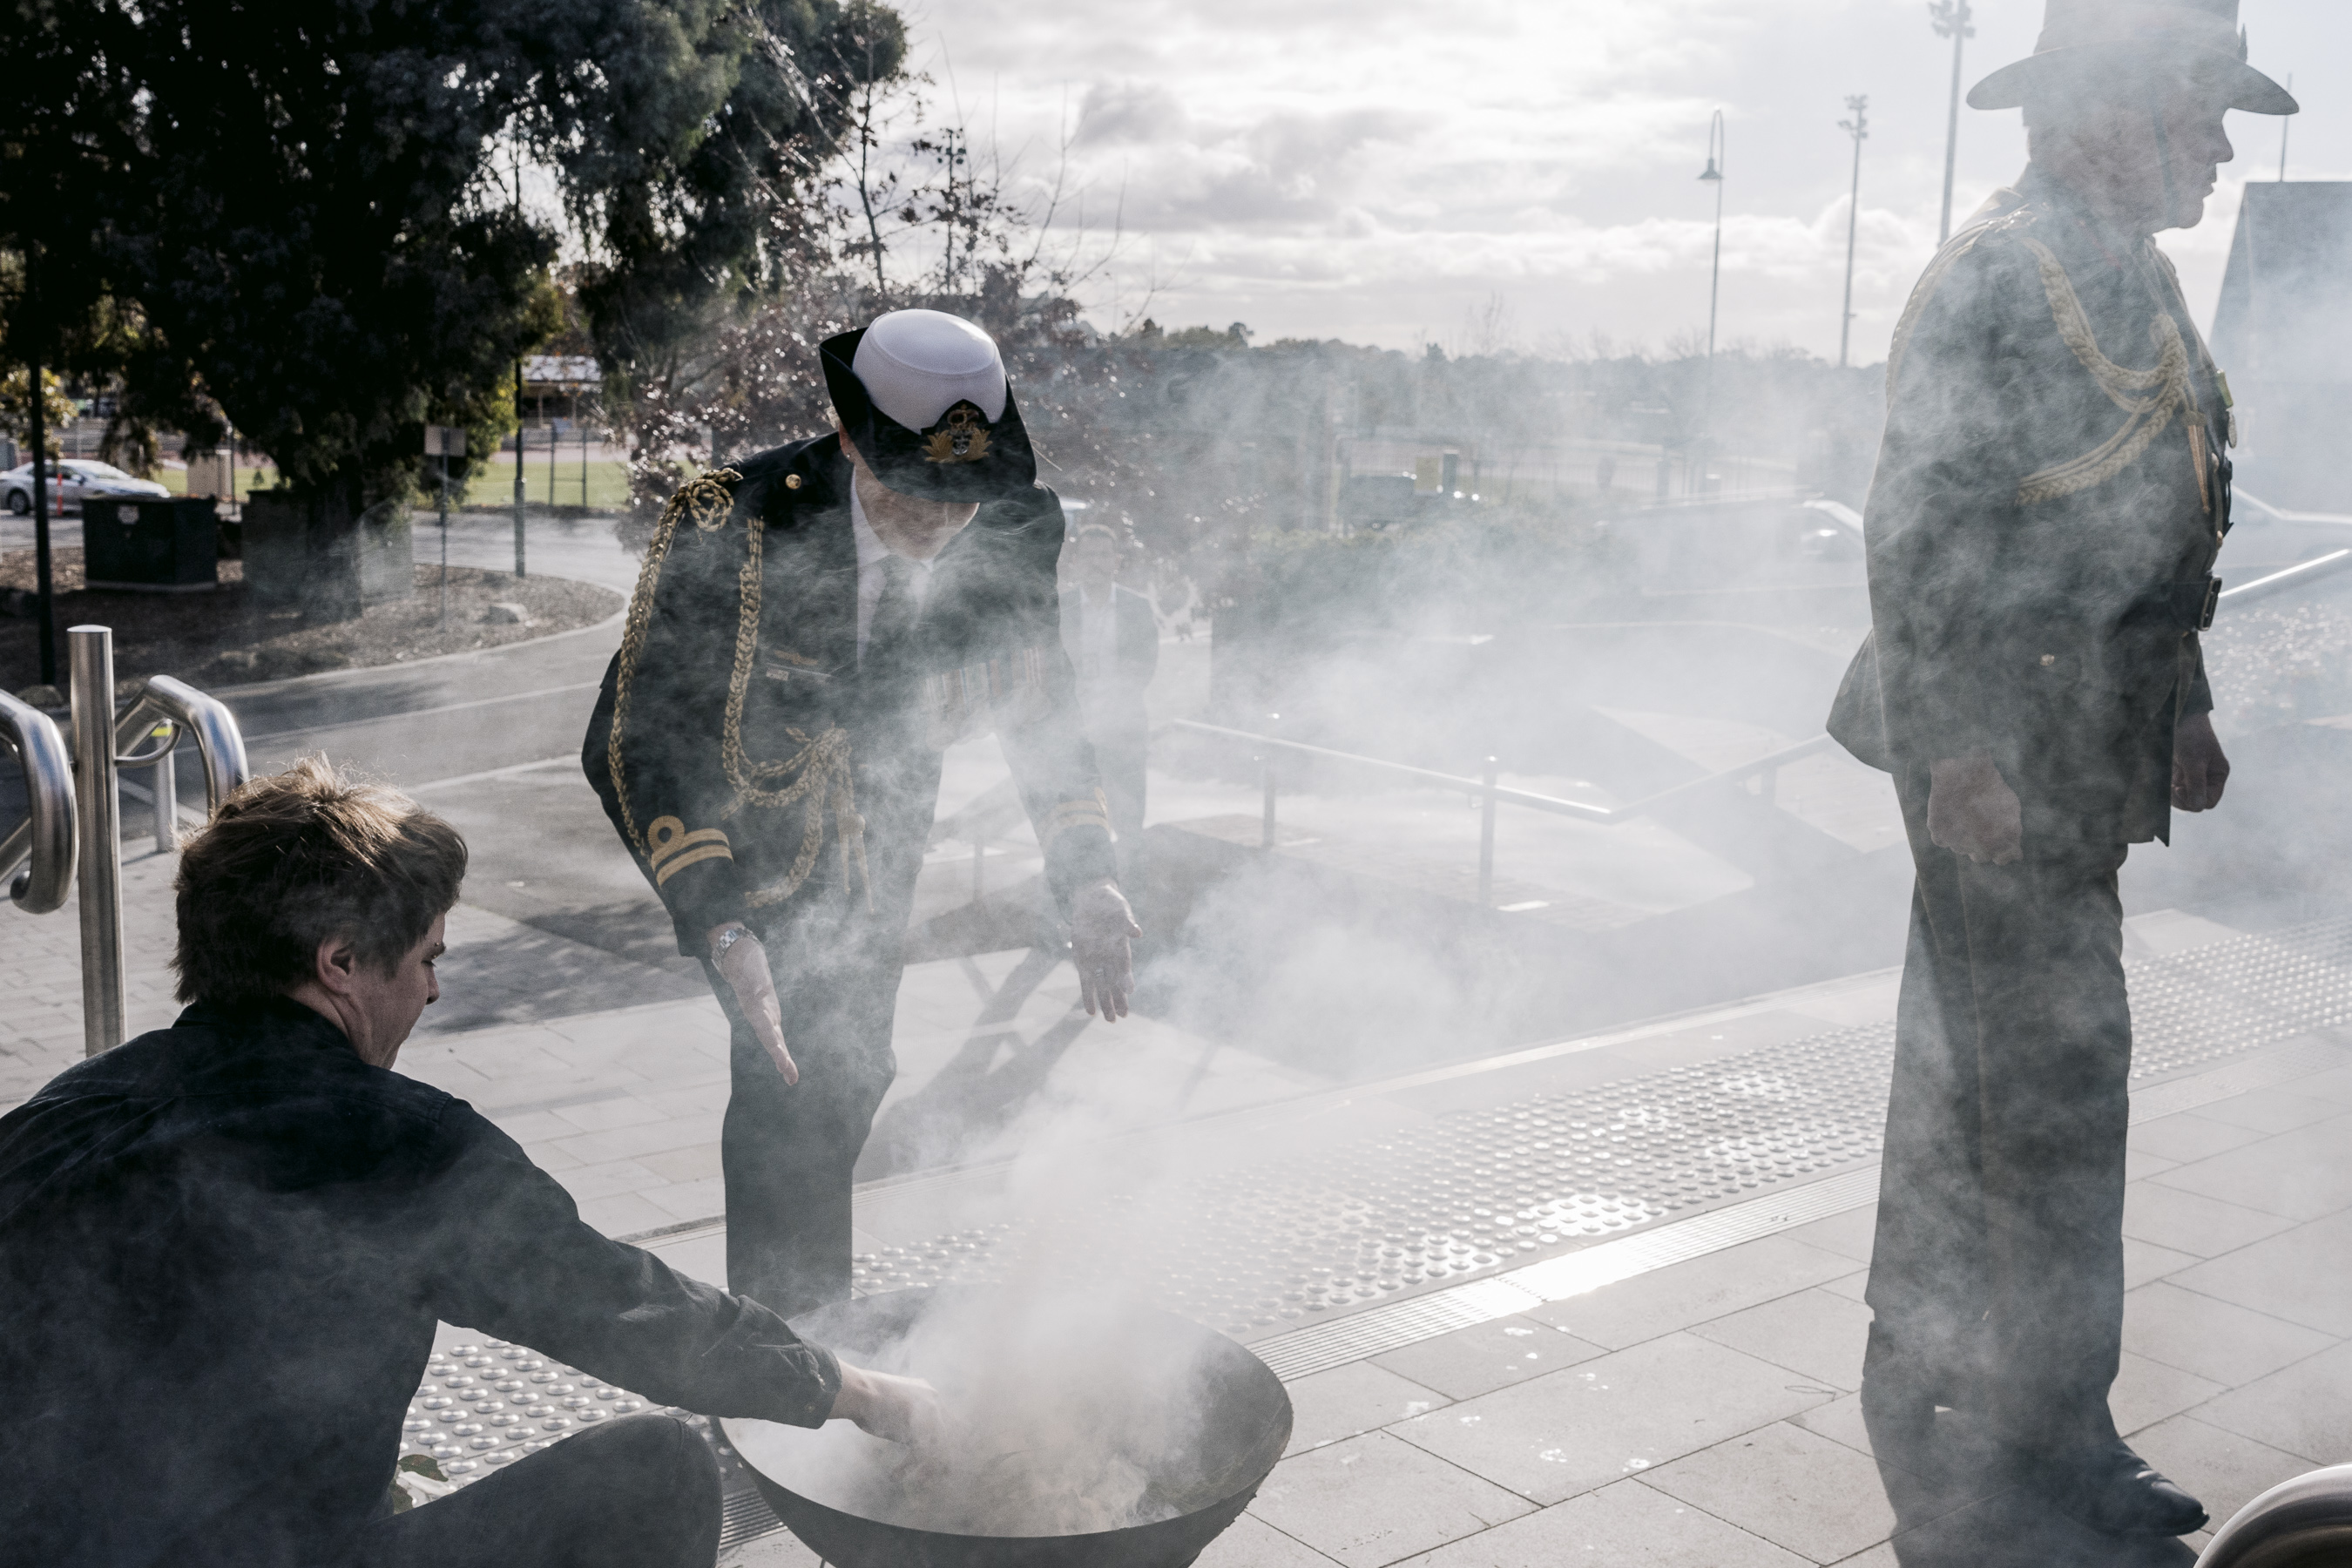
x,y
311,208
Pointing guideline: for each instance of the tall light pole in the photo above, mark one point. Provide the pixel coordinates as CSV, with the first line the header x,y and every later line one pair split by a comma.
x,y
1859,128
517,401
1951,19
1713,176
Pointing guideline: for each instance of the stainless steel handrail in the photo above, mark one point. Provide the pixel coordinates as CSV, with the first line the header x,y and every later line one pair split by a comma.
x,y
1490,793
47,836
2302,1523
164,711
2293,576
206,720
104,1007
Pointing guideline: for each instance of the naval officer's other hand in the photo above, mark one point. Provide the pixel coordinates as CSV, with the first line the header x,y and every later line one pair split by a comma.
x,y
1101,926
1972,811
2199,768
745,965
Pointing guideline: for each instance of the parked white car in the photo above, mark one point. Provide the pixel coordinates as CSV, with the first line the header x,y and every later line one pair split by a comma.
x,y
73,481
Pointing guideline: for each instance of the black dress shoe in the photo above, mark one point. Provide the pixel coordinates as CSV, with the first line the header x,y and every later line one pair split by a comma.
x,y
2115,1492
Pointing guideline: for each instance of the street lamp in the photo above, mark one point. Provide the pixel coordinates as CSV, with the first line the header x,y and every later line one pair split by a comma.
x,y
1951,19
1715,160
1859,128
1713,176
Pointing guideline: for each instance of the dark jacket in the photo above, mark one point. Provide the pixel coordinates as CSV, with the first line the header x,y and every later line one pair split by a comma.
x,y
224,1247
1137,641
734,735
2050,493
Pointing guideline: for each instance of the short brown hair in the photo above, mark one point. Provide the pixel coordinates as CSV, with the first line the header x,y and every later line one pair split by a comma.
x,y
300,856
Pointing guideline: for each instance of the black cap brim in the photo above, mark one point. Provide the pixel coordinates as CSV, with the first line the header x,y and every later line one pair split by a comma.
x,y
925,463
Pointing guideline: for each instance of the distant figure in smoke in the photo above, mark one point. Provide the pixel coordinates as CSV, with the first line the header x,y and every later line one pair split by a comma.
x,y
812,628
1112,636
224,1245
2042,529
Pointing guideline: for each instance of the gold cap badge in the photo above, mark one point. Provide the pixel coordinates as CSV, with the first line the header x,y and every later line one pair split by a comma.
x,y
962,438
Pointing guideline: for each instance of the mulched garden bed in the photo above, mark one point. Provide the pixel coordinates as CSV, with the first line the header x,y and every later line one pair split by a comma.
x,y
220,638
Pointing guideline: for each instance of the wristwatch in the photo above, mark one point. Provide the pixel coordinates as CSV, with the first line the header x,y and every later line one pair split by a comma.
x,y
728,939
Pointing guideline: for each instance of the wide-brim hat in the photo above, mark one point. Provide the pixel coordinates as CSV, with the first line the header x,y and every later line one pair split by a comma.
x,y
2088,40
967,443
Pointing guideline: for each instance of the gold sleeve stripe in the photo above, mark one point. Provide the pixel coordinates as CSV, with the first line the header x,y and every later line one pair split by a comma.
x,y
706,852
1089,813
668,837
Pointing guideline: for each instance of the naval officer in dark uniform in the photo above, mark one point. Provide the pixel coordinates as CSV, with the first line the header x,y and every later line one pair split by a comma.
x,y
812,627
2042,529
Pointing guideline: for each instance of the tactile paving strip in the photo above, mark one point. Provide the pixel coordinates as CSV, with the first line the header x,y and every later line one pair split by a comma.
x,y
1295,1240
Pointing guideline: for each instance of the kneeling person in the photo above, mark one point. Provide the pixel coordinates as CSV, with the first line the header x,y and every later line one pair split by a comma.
x,y
224,1247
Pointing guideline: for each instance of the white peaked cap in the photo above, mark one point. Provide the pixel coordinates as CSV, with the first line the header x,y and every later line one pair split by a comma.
x,y
918,365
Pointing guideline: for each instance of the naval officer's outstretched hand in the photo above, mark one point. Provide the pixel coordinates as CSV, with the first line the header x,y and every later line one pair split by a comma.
x,y
745,965
1101,926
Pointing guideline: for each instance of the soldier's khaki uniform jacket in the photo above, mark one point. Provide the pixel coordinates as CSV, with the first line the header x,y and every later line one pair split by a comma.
x,y
2050,493
740,754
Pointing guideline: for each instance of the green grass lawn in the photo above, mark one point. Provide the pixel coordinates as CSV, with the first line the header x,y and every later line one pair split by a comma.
x,y
608,483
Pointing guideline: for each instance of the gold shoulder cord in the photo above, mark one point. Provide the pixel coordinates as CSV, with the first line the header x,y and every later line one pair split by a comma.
x,y
705,501
2150,397
819,772
1933,279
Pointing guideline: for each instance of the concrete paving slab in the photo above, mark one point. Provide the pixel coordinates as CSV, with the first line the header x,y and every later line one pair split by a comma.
x,y
1611,1417
1474,1361
2303,1276
1792,1487
2223,1469
1353,1399
2145,1261
1852,1287
2272,1110
2304,1409
2212,1339
2188,1221
1849,1234
2301,1174
1814,1333
1629,1523
1374,1500
1696,1292
2189,1136
2147,1391
1250,1542
1840,1421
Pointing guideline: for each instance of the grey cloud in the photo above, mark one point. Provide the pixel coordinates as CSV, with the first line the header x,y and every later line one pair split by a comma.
x,y
1118,113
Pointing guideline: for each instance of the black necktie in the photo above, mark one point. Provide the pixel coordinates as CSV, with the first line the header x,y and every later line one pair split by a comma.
x,y
890,663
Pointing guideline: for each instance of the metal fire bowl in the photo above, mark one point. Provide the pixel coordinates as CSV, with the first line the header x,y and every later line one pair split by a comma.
x,y
1247,1429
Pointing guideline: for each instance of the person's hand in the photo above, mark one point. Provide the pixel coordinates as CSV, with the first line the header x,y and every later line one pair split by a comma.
x,y
1972,811
901,1409
2199,768
745,966
1101,926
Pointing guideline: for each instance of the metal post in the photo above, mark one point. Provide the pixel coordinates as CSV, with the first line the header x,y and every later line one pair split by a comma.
x,y
91,652
444,619
1486,835
41,584
1950,20
1266,776
164,780
1859,128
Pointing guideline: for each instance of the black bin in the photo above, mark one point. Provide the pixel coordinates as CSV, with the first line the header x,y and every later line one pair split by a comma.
x,y
161,547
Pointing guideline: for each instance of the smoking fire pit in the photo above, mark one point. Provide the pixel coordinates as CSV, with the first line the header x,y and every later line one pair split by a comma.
x,y
1083,1435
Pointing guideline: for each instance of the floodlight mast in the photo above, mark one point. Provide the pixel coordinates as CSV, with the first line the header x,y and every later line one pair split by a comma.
x,y
1951,19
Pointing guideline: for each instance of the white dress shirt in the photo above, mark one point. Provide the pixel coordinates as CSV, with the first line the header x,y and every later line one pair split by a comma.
x,y
871,553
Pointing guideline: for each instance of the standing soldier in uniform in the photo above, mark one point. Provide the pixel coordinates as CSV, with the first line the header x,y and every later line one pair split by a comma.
x,y
2051,491
812,627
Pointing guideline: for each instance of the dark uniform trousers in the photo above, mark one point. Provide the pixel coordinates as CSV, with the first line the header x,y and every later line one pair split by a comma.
x,y
1996,1272
788,1150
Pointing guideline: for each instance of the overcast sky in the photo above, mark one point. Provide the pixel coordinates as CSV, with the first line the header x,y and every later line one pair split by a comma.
x,y
1389,171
